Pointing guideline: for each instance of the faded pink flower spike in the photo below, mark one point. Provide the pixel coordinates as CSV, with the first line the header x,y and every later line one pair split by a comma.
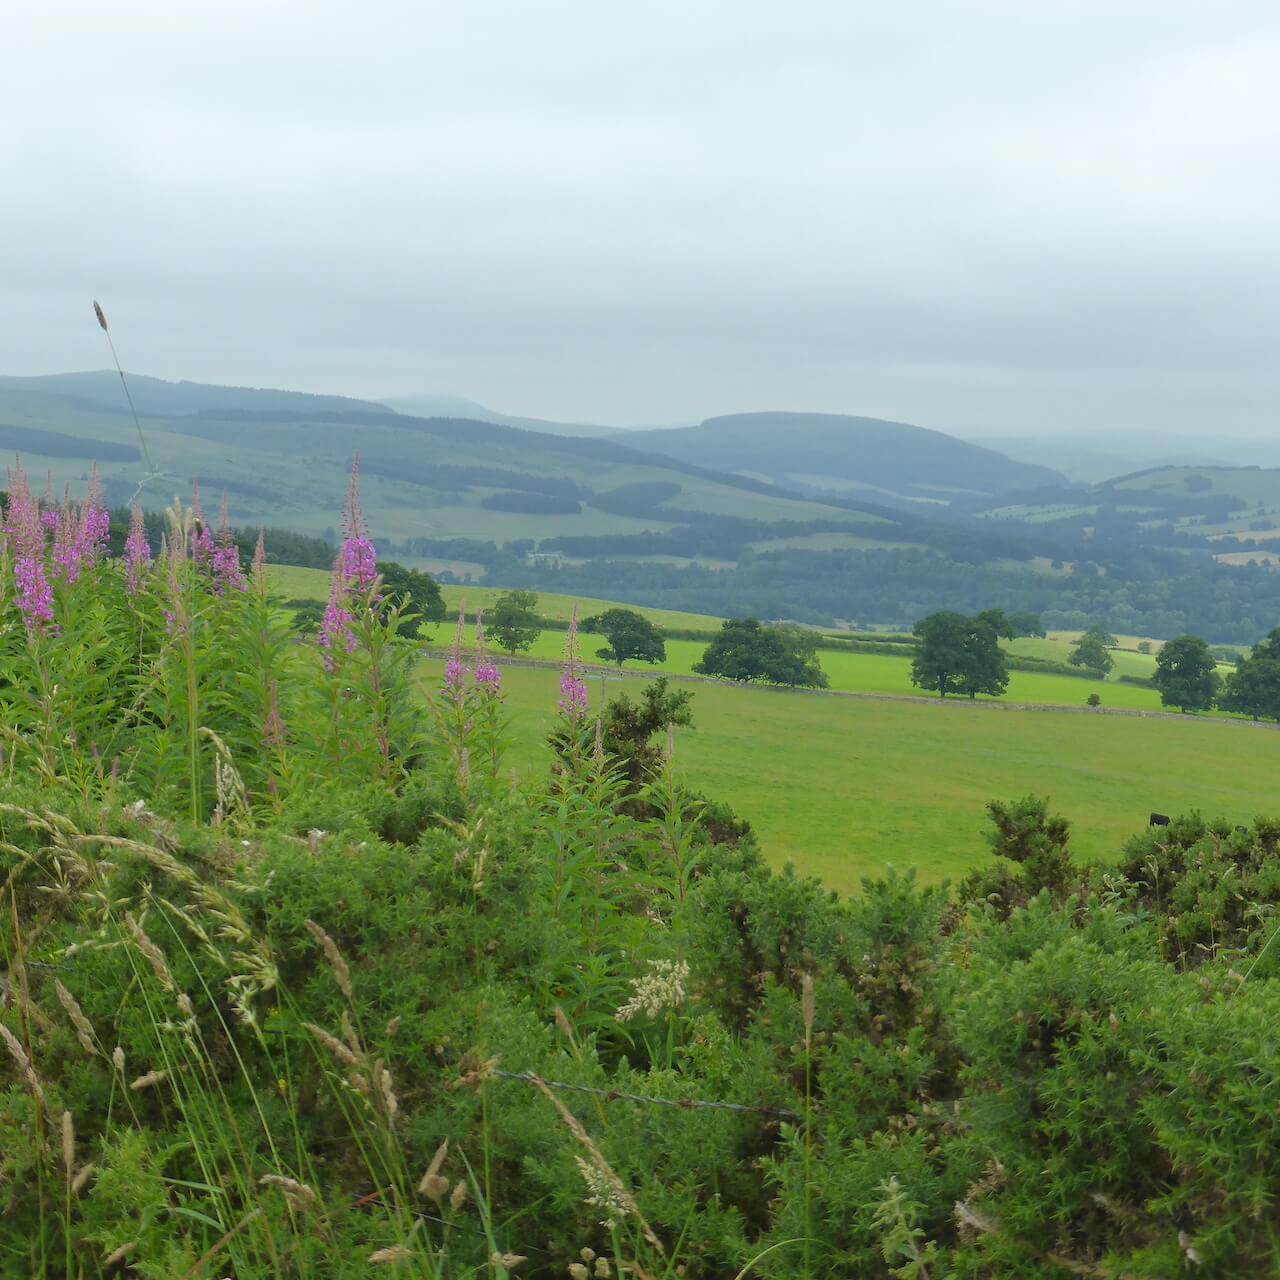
x,y
454,671
27,534
573,692
95,520
137,551
359,563
202,536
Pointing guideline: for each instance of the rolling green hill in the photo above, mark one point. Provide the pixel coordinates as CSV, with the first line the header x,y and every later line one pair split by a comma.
x,y
282,456
860,457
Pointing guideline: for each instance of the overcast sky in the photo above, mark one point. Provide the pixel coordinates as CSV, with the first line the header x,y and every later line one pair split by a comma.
x,y
1004,217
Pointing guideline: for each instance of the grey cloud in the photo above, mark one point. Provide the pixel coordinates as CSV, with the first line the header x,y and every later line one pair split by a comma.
x,y
991,216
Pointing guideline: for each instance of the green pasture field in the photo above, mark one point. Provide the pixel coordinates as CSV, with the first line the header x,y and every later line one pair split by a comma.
x,y
313,584
844,786
848,672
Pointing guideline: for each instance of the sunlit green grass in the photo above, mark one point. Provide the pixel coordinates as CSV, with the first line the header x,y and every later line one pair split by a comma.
x,y
844,786
848,672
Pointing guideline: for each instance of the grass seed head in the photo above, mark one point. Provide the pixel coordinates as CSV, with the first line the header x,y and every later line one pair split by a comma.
x,y
341,974
298,1194
146,1081
68,1142
83,1028
396,1253
334,1045
19,1055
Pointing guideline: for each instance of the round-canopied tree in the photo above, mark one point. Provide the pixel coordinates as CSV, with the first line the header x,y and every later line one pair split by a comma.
x,y
631,636
1186,674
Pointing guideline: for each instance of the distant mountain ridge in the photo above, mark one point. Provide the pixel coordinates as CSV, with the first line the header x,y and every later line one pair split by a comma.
x,y
440,405
828,453
159,397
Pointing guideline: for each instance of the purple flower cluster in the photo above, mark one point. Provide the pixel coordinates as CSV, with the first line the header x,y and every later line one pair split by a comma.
x,y
455,677
489,678
225,559
137,552
95,521
335,626
357,558
573,697
35,595
354,567
68,544
26,530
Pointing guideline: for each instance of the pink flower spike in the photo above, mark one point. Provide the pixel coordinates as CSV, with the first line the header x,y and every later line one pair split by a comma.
x,y
225,560
137,551
359,562
260,555
573,692
95,520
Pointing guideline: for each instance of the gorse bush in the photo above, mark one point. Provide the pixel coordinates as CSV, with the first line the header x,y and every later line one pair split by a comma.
x,y
299,981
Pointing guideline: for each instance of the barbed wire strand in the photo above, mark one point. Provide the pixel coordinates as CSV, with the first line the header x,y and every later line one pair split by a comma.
x,y
616,1095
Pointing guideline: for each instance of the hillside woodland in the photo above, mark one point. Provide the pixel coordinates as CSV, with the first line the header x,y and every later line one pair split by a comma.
x,y
297,982
810,517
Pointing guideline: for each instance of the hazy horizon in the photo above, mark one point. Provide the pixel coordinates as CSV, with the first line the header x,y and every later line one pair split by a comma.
x,y
1010,221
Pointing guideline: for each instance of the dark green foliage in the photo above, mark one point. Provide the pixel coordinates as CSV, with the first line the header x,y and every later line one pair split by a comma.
x,y
640,499
416,592
1024,623
746,651
534,504
1186,674
1025,833
1253,688
59,444
958,654
513,620
1090,651
629,729
631,636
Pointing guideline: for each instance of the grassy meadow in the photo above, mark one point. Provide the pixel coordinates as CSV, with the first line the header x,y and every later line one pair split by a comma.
x,y
842,786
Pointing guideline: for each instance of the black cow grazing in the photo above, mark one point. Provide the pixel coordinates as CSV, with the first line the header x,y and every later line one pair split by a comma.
x,y
1159,820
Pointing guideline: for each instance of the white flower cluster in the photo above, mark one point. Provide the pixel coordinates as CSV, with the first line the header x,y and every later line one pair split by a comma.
x,y
663,987
604,1194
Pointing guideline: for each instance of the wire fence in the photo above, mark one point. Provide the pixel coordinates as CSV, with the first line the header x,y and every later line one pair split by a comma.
x,y
617,1095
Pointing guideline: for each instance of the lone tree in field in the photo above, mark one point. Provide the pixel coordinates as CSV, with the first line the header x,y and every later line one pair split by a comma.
x,y
1186,674
630,635
746,651
1253,688
418,592
940,656
959,654
1090,652
513,621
